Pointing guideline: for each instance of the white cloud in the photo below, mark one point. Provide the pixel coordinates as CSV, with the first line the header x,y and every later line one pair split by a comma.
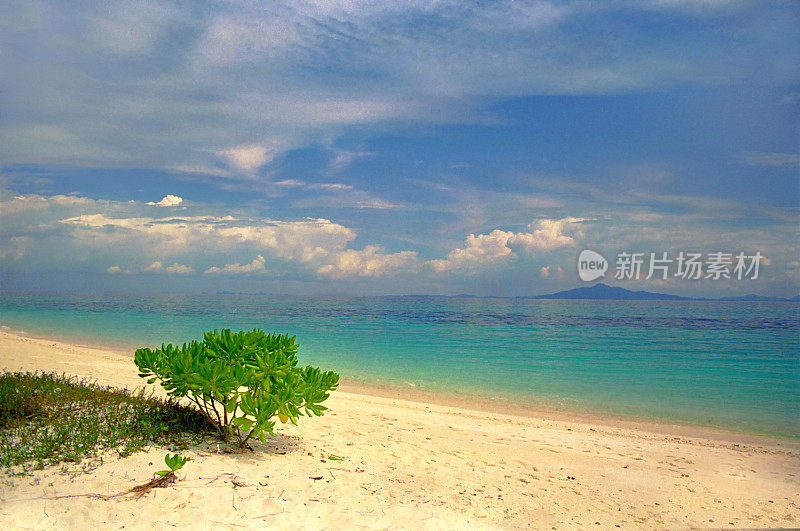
x,y
168,201
114,269
179,269
193,79
256,266
155,266
21,203
72,233
319,243
499,246
544,272
547,234
369,262
176,268
301,241
249,158
480,250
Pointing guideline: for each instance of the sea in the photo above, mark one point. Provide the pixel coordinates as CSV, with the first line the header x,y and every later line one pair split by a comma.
x,y
728,365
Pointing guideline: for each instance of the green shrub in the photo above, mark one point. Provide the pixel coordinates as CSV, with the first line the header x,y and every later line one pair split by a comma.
x,y
240,380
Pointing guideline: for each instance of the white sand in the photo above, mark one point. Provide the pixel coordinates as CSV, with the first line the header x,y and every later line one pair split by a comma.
x,y
414,465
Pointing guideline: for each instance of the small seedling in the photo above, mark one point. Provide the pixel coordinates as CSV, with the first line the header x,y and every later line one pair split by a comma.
x,y
174,462
166,477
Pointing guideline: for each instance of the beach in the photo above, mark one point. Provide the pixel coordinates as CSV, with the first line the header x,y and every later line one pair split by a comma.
x,y
408,463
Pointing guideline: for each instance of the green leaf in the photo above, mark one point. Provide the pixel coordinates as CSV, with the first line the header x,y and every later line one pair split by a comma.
x,y
230,405
243,423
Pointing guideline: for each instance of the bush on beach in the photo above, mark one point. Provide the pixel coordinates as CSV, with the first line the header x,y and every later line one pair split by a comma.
x,y
240,380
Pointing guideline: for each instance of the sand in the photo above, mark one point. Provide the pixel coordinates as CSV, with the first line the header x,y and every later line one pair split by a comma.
x,y
409,465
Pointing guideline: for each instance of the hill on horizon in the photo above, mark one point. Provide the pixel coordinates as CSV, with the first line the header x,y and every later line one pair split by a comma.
x,y
601,291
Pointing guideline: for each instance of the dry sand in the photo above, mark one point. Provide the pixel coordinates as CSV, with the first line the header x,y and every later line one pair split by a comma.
x,y
410,464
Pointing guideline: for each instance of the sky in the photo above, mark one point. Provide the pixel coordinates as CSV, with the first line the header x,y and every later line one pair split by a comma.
x,y
396,147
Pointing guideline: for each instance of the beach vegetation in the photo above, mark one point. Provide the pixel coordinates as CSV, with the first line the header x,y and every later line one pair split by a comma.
x,y
241,380
161,479
174,462
17,404
46,418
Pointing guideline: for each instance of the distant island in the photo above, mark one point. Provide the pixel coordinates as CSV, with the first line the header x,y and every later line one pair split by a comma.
x,y
597,291
602,291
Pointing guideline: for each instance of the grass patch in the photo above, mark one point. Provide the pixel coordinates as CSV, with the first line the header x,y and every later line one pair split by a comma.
x,y
47,419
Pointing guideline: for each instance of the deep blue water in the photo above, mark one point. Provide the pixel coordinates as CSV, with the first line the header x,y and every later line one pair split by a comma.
x,y
724,364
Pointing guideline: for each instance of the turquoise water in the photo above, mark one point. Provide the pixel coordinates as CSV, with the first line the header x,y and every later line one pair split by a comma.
x,y
723,364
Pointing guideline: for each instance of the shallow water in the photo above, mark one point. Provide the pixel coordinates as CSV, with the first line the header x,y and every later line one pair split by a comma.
x,y
724,364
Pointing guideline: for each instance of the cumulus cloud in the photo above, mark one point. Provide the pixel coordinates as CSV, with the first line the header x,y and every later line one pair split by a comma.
x,y
499,246
480,250
72,233
319,243
168,201
256,266
546,234
369,262
292,240
176,268
113,230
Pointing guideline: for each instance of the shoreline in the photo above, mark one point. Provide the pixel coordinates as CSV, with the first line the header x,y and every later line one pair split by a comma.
x,y
411,464
503,407
475,403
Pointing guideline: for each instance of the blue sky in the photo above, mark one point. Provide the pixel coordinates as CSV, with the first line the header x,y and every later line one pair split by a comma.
x,y
394,147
